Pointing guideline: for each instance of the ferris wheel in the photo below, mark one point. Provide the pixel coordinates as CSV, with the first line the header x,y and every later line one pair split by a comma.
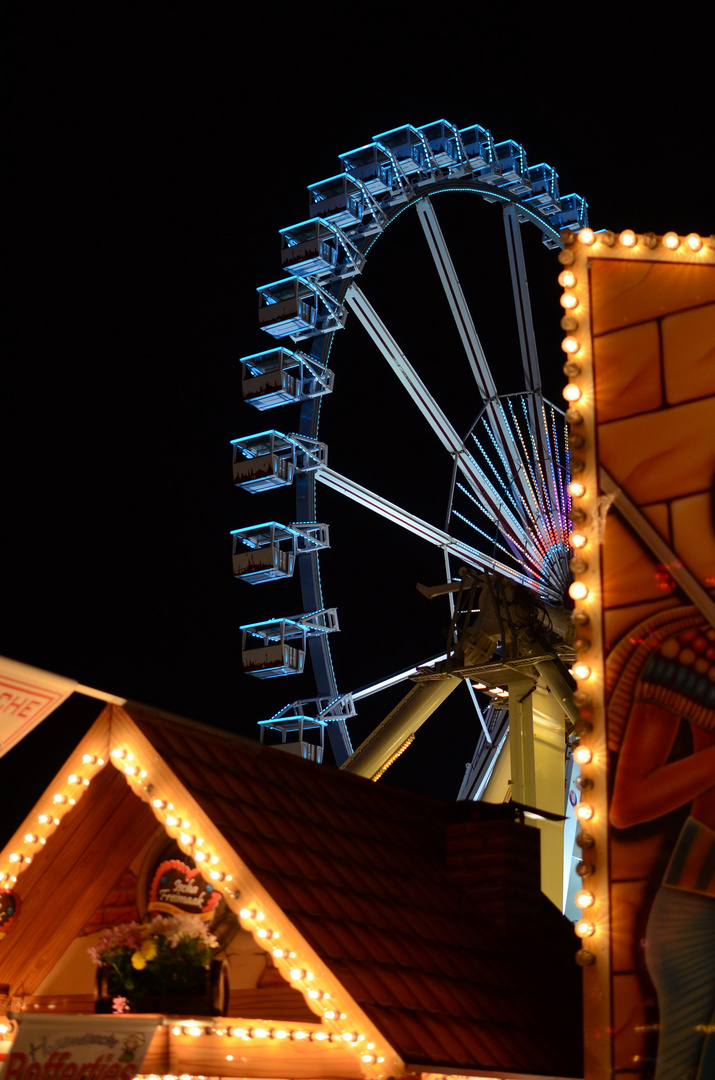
x,y
504,536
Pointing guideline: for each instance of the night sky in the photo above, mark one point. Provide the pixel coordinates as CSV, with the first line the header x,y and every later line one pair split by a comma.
x,y
152,165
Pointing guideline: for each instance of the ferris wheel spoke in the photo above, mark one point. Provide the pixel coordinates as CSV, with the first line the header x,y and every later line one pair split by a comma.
x,y
455,296
529,355
420,528
493,504
524,496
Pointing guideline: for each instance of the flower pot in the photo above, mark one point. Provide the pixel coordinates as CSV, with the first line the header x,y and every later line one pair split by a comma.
x,y
212,1002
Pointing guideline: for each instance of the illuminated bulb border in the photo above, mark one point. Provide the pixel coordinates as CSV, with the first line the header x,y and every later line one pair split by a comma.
x,y
669,248
175,825
61,801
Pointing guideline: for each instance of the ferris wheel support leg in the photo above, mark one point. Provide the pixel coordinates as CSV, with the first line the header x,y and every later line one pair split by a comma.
x,y
527,341
521,742
390,737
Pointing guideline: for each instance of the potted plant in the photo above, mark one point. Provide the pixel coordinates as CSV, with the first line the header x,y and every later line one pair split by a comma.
x,y
164,965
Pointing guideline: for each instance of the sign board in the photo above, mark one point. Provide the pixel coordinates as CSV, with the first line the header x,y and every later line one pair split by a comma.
x,y
27,696
50,1047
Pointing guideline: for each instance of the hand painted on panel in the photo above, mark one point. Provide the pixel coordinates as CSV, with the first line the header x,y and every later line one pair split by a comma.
x,y
663,672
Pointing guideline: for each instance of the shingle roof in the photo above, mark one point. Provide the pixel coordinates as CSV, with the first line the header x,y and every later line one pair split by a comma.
x,y
360,869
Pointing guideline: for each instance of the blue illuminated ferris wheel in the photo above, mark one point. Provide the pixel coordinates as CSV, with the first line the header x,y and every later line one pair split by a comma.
x,y
507,497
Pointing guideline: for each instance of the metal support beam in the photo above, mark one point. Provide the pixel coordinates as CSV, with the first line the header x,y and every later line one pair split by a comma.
x,y
521,742
404,720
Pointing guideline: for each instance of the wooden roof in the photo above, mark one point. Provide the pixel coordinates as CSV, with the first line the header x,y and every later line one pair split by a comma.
x,y
360,881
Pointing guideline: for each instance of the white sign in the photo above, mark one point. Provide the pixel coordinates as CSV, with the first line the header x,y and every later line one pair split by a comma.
x,y
27,696
51,1047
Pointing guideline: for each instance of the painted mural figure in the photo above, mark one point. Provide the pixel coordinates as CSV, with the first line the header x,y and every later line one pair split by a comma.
x,y
661,673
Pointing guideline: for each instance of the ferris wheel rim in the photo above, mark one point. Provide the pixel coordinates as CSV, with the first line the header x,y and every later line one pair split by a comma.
x,y
309,424
323,644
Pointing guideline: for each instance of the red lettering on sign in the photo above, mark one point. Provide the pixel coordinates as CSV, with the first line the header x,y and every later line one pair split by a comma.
x,y
16,1066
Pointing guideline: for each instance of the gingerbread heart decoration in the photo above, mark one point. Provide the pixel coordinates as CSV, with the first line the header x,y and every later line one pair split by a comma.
x,y
9,910
177,887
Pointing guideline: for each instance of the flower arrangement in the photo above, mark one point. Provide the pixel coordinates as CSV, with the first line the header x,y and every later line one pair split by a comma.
x,y
169,955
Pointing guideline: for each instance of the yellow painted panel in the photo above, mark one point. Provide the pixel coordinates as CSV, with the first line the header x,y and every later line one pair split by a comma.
x,y
630,574
657,514
627,292
693,541
689,354
627,371
680,454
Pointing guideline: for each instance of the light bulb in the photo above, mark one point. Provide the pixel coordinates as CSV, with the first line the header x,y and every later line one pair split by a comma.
x,y
584,928
693,241
629,238
578,591
671,240
584,898
580,671
567,279
583,755
572,392
584,812
587,236
576,489
568,301
570,345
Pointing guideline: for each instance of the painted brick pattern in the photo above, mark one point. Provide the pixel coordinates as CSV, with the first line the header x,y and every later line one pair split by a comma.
x,y
119,906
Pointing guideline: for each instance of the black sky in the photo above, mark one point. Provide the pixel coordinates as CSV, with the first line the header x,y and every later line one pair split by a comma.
x,y
153,161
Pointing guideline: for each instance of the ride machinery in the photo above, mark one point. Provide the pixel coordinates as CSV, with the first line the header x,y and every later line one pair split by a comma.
x,y
505,542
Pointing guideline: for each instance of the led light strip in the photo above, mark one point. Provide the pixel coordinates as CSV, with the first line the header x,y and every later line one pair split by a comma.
x,y
585,591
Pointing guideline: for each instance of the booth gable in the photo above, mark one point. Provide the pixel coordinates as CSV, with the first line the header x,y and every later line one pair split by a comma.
x,y
353,875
